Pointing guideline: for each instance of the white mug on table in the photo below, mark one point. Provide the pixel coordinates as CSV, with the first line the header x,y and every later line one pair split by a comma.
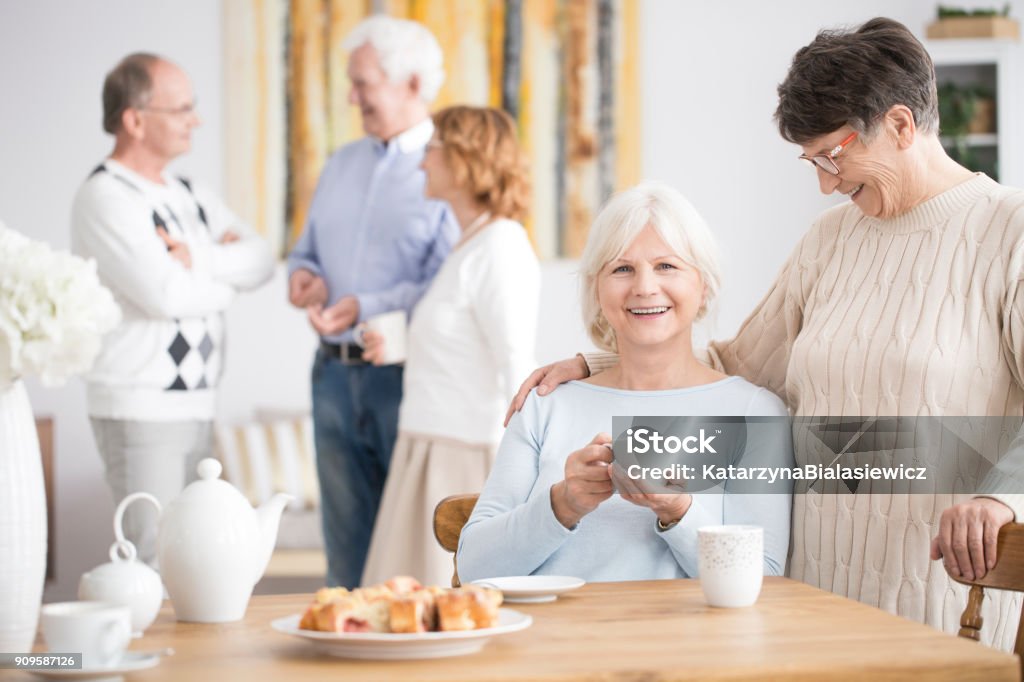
x,y
731,564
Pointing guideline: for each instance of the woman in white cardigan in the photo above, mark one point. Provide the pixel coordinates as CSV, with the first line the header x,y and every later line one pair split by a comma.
x,y
471,338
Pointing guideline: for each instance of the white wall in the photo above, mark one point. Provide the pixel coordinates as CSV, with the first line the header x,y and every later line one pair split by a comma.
x,y
53,56
709,76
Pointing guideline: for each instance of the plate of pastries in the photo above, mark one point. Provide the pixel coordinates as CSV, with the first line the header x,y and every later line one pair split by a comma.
x,y
403,619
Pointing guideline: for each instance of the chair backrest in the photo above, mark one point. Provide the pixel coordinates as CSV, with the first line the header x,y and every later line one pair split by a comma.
x,y
268,455
450,515
1008,574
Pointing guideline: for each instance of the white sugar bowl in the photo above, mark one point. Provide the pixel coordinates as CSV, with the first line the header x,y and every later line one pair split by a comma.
x,y
125,581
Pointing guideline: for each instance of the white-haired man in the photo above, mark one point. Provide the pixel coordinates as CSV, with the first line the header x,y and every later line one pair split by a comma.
x,y
371,244
173,255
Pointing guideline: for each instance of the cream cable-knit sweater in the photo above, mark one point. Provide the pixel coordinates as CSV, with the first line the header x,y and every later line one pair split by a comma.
x,y
922,314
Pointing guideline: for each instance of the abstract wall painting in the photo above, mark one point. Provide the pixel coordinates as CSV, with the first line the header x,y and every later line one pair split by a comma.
x,y
567,71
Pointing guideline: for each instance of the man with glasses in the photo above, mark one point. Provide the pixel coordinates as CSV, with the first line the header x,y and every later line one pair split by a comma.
x,y
371,244
174,256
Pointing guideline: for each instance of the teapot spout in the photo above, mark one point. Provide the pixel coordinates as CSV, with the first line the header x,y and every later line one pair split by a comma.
x,y
269,517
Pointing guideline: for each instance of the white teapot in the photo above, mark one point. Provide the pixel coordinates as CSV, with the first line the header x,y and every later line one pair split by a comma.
x,y
125,580
213,546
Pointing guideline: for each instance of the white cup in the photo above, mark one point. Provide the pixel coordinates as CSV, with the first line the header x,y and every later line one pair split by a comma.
x,y
100,631
731,564
391,326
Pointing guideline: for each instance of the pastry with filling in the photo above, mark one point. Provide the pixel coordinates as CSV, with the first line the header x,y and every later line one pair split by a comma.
x,y
402,605
416,611
469,607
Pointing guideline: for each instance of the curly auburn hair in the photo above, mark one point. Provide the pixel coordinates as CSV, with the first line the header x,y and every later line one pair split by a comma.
x,y
481,148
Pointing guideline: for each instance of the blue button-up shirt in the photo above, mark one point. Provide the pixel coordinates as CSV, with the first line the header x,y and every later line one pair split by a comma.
x,y
370,231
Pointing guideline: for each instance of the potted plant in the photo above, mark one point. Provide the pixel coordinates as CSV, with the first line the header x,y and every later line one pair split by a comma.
x,y
955,22
963,110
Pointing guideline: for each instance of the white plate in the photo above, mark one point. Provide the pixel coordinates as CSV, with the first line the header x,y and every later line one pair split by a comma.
x,y
532,589
130,662
398,646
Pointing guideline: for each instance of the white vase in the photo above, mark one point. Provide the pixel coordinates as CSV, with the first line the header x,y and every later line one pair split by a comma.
x,y
22,521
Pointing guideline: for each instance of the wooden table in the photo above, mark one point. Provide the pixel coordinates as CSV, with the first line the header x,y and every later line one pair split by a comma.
x,y
650,631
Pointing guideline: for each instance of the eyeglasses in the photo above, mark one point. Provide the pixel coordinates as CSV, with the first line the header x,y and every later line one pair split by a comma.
x,y
434,144
826,161
184,110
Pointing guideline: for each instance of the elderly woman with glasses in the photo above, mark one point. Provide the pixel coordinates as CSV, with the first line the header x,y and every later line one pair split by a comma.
x,y
649,271
907,300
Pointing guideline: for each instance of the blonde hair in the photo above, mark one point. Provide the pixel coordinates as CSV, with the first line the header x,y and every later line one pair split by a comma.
x,y
619,223
481,148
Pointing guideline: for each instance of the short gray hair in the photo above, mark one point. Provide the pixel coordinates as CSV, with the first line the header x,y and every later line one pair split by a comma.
x,y
405,49
128,85
619,223
854,77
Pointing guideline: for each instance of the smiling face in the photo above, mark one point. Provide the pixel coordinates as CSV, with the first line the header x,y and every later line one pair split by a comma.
x,y
387,107
871,171
649,295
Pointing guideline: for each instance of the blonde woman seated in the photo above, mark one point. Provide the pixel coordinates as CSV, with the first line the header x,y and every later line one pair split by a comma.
x,y
471,338
648,271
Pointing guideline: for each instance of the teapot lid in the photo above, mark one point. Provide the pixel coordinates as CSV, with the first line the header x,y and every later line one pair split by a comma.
x,y
123,547
122,569
209,468
211,489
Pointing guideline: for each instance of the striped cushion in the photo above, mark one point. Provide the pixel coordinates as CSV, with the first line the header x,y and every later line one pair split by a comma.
x,y
272,455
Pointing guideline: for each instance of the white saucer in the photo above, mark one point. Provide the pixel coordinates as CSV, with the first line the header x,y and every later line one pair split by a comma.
x,y
130,662
532,589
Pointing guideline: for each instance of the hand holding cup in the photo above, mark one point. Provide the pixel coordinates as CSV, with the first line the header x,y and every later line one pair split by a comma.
x,y
587,481
374,346
668,507
383,338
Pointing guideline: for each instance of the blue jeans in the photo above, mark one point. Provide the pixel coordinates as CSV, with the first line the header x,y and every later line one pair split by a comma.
x,y
355,423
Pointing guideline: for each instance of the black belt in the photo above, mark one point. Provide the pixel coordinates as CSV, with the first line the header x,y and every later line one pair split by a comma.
x,y
346,353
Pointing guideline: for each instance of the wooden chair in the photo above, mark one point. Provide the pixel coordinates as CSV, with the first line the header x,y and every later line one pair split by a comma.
x,y
1008,574
450,515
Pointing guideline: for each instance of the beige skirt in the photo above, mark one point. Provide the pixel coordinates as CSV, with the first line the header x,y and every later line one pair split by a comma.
x,y
424,470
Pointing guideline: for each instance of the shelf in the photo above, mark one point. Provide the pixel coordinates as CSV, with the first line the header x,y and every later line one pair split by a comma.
x,y
975,140
994,65
961,51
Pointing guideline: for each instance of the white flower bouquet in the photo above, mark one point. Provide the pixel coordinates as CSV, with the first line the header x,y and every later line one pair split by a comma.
x,y
53,311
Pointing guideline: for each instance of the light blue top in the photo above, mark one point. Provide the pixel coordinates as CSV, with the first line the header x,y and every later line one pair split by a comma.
x,y
370,231
513,530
